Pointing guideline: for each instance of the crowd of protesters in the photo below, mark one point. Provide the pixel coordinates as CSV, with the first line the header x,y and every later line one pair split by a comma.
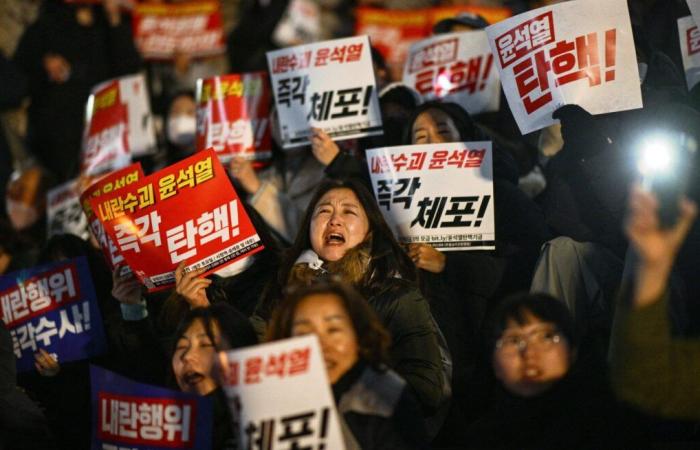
x,y
577,332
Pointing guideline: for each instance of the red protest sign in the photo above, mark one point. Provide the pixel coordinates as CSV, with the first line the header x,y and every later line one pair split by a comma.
x,y
186,212
232,115
105,142
194,28
105,185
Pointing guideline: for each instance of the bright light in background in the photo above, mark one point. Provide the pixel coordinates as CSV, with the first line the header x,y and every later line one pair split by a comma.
x,y
657,156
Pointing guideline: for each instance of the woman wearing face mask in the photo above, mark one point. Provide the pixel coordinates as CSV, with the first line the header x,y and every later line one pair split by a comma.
x,y
199,337
181,127
549,396
344,234
377,408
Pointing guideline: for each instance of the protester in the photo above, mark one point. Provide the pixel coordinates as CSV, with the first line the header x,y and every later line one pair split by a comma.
x,y
377,406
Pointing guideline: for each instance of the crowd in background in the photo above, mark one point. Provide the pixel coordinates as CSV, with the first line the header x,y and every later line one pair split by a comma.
x,y
578,331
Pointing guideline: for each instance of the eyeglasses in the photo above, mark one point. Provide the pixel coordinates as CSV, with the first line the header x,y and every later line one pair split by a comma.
x,y
542,339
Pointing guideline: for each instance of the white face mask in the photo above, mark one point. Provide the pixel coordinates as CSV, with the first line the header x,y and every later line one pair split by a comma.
x,y
181,130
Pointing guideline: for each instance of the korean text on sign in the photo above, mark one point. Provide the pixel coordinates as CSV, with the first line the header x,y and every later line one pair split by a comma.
x,y
185,212
440,194
329,85
233,116
689,35
264,385
456,67
127,414
53,308
578,52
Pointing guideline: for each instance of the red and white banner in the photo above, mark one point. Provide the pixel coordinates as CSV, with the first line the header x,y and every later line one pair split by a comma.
x,y
577,52
456,67
105,185
233,115
195,28
63,212
439,194
278,387
393,32
118,125
186,212
690,49
329,85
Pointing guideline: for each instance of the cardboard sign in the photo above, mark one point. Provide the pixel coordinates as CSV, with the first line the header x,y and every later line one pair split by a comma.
x,y
105,185
279,395
118,125
456,67
393,32
63,212
131,415
329,85
52,307
185,212
233,115
689,35
301,24
577,52
438,194
162,30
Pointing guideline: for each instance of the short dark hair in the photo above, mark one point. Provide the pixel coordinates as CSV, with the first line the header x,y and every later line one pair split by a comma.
x,y
542,306
372,338
387,256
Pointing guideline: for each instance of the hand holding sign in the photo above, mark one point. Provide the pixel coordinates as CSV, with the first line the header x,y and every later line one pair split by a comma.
x,y
242,170
425,257
191,286
125,287
323,147
46,364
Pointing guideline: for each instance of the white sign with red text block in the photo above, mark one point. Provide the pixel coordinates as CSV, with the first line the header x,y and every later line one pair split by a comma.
x,y
279,395
456,67
437,194
328,85
577,52
689,35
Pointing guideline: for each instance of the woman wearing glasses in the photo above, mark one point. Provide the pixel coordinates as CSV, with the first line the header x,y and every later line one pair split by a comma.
x,y
548,397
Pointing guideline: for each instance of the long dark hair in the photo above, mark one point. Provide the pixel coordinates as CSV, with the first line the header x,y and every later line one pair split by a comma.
x,y
387,257
372,338
468,131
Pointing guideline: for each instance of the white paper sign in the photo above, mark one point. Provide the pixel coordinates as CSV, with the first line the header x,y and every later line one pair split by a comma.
x,y
456,67
64,213
689,35
694,6
279,394
439,194
141,130
328,85
577,52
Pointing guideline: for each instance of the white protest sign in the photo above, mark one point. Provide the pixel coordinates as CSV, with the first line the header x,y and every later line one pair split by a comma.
x,y
456,67
329,85
439,194
64,213
141,129
279,394
577,52
301,24
689,35
694,6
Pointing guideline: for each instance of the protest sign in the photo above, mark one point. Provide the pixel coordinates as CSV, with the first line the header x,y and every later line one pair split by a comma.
x,y
694,6
301,24
63,212
194,28
690,49
456,67
131,415
105,185
393,32
233,115
118,125
329,85
279,394
438,194
577,52
52,307
185,212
